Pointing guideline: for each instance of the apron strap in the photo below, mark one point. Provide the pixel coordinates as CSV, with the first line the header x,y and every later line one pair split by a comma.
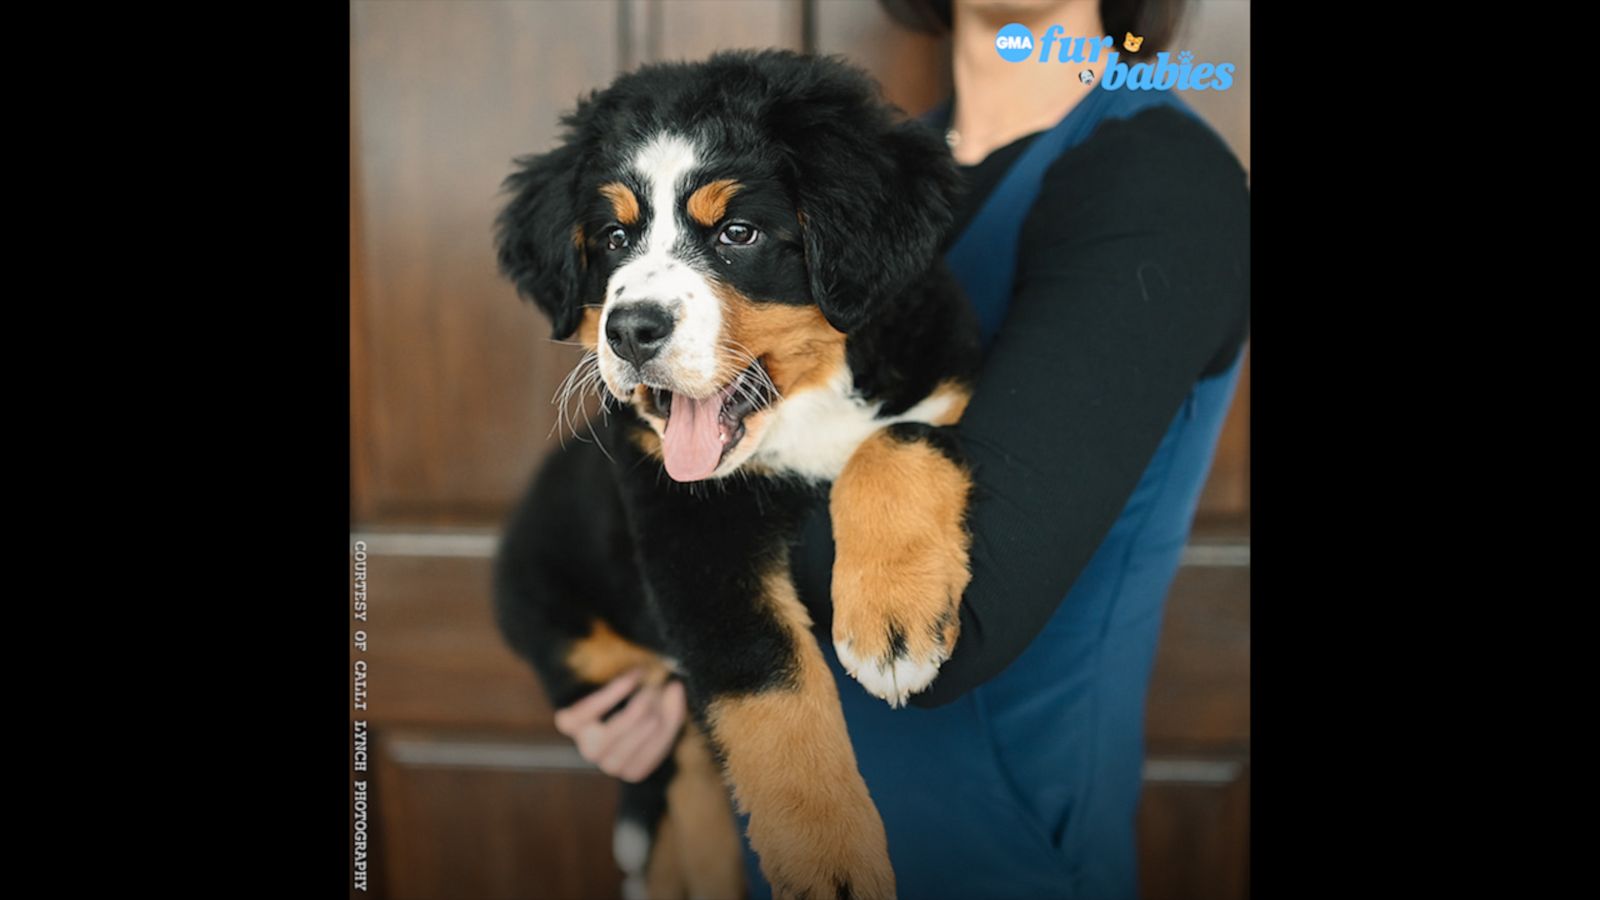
x,y
984,257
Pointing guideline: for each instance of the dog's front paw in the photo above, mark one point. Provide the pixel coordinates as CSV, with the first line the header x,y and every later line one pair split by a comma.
x,y
899,526
893,637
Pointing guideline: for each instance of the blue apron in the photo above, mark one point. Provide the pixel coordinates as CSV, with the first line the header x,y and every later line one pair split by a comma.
x,y
1027,787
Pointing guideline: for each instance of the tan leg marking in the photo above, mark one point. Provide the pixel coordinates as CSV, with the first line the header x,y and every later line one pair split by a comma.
x,y
710,855
901,567
789,760
695,851
663,874
604,655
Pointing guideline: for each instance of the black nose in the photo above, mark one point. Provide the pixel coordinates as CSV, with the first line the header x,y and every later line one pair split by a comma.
x,y
638,331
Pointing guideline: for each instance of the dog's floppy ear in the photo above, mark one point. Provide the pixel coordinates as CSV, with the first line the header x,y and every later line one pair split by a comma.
x,y
874,194
537,236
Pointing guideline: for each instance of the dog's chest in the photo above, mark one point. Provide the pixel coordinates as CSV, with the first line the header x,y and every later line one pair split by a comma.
x,y
814,434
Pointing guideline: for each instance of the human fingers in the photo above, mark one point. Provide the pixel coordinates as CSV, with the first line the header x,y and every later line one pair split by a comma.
x,y
597,741
570,720
663,736
641,739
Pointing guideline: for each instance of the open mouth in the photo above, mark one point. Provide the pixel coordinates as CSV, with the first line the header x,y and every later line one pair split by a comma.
x,y
700,433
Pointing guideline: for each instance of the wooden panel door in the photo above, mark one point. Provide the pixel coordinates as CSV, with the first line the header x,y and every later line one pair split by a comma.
x,y
454,375
472,786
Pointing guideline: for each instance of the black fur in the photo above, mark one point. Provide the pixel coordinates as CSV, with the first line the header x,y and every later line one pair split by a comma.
x,y
925,334
852,206
536,249
566,559
805,133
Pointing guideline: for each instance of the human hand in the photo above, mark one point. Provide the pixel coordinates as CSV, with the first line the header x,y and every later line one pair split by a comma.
x,y
632,743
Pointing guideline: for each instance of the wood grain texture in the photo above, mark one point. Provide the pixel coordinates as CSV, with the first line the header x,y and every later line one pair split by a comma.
x,y
436,657
1194,839
694,29
914,69
451,381
465,827
438,666
457,372
1200,686
360,394
1227,489
451,376
1194,832
1219,31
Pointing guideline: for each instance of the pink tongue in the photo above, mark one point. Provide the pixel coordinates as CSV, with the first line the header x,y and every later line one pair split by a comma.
x,y
693,442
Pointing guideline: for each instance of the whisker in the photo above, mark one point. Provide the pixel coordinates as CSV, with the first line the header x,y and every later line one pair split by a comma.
x,y
571,391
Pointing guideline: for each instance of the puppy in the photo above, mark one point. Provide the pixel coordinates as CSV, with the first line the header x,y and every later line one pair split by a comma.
x,y
747,247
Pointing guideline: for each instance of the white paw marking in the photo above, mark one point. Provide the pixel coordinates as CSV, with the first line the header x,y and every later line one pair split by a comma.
x,y
892,682
630,845
634,888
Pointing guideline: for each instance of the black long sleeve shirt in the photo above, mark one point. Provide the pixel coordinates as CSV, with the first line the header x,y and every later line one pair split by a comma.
x,y
1132,284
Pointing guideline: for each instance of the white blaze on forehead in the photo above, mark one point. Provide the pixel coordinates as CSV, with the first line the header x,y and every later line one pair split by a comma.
x,y
663,164
656,276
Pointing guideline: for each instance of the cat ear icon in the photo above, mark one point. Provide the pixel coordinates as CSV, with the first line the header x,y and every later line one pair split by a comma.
x,y
1131,43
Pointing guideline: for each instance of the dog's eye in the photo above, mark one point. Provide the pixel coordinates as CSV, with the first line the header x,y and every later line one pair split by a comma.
x,y
616,238
738,234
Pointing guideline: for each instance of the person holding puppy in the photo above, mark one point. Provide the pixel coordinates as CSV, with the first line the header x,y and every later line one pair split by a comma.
x,y
1104,243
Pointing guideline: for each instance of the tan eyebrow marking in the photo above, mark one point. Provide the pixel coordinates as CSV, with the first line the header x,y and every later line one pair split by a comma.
x,y
623,203
709,202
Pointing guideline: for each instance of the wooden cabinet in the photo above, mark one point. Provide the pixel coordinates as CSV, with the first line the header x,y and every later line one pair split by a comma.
x,y
473,793
1194,823
467,814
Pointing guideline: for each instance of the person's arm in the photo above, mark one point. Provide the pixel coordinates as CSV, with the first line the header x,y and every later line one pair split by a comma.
x,y
1133,282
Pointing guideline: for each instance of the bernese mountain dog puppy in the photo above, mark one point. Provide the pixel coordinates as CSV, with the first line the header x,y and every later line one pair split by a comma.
x,y
748,249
